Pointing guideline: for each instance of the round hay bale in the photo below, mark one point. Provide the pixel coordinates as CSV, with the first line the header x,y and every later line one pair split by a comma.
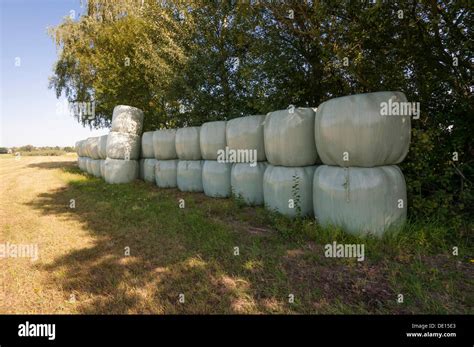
x,y
120,171
247,182
95,167
164,145
360,200
127,119
103,146
246,133
166,173
289,137
123,146
352,130
147,145
212,139
216,179
149,170
288,190
189,175
187,143
102,168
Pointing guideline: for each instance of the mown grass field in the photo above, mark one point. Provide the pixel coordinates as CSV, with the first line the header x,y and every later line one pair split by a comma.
x,y
83,268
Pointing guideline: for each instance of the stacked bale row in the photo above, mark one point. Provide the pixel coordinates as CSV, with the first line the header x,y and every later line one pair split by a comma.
x,y
123,145
244,137
166,166
114,156
359,188
188,151
91,155
147,161
272,159
291,153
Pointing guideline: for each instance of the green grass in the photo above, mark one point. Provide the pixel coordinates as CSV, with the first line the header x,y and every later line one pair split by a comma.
x,y
191,251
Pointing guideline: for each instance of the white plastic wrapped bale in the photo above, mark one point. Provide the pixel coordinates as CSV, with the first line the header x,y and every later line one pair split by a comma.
x,y
127,119
83,149
120,171
102,168
216,179
92,145
103,146
166,173
80,163
149,170
352,130
95,167
212,139
289,137
79,148
360,200
95,149
288,190
247,182
164,145
246,133
88,165
147,145
187,143
123,146
141,169
189,175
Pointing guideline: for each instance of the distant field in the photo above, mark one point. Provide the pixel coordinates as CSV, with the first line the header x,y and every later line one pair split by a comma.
x,y
82,266
40,152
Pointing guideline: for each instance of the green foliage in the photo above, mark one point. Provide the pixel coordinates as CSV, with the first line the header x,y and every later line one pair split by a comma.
x,y
194,61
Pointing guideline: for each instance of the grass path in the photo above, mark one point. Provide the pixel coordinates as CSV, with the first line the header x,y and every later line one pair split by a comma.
x,y
83,266
27,286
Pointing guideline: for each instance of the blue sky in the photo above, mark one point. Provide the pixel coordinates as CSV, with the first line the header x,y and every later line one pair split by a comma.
x,y
28,111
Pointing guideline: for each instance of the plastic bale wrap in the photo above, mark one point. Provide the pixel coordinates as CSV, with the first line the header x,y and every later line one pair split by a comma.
x,y
289,137
212,139
103,146
164,145
360,200
77,146
141,169
147,145
352,130
247,182
92,147
216,179
83,165
189,175
88,165
102,168
123,146
82,148
95,167
80,163
149,170
120,171
187,143
127,119
246,133
166,173
288,190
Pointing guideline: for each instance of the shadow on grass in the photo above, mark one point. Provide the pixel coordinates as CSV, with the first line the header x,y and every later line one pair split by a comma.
x,y
70,165
208,251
